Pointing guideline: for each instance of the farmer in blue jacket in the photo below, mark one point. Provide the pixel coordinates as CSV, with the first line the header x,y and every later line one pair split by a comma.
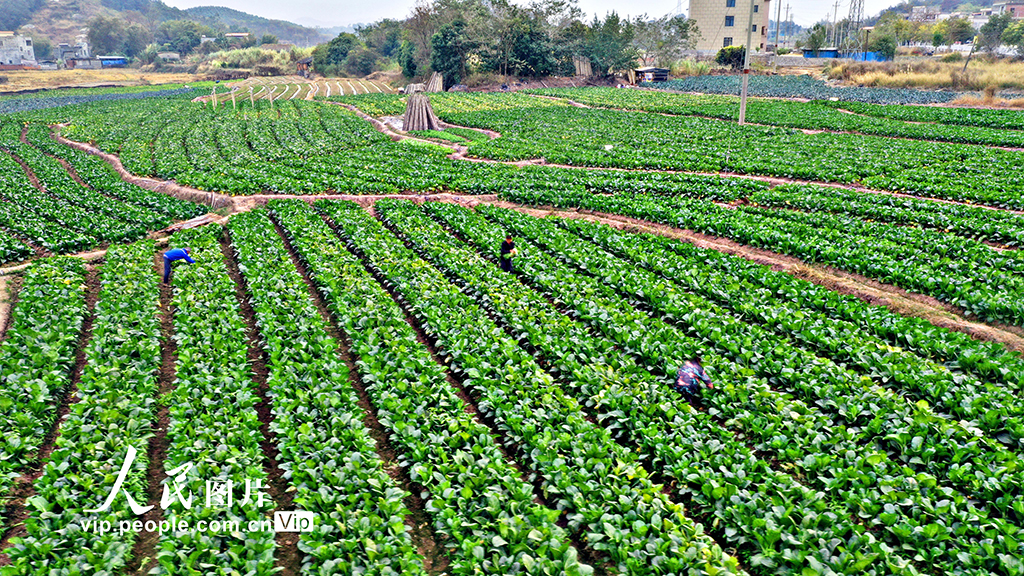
x,y
691,378
171,256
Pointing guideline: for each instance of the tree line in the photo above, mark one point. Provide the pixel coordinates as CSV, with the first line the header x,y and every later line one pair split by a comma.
x,y
460,38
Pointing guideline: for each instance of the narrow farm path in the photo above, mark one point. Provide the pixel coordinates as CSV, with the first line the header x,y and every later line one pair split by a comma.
x,y
144,551
287,557
421,528
24,486
9,286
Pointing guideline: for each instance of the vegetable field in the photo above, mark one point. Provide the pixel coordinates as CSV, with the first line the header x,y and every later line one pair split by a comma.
x,y
436,414
346,381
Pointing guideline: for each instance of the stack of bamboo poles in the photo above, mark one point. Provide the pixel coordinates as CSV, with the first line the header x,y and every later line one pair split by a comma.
x,y
435,84
419,115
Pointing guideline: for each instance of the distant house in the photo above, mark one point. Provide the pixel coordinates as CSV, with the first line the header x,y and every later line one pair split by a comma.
x,y
651,74
67,51
47,65
304,66
169,56
88,63
16,50
1015,9
113,61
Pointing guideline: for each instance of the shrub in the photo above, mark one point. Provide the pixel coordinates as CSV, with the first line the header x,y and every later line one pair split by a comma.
x,y
731,56
953,57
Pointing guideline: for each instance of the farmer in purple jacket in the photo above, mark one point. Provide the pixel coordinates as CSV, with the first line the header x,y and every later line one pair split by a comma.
x,y
691,379
171,256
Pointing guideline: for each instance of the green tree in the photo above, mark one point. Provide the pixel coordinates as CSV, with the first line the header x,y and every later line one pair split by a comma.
x,y
958,30
731,56
329,57
816,39
450,47
106,34
384,37
885,45
1014,36
360,61
992,31
407,58
663,40
181,35
136,38
268,39
610,45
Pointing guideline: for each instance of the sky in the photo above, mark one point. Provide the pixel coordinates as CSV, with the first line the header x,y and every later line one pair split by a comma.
x,y
328,13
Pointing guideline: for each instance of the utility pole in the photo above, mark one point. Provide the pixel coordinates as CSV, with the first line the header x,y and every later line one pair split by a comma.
x,y
789,26
835,25
746,65
778,25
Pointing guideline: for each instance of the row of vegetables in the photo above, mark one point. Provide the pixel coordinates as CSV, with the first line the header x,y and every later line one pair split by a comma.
x,y
646,141
787,113
480,506
36,359
987,117
834,454
981,280
732,489
328,454
53,99
101,177
600,485
989,408
66,216
805,86
113,413
213,433
974,222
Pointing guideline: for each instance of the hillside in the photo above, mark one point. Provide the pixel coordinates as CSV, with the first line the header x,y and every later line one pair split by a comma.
x,y
63,21
219,16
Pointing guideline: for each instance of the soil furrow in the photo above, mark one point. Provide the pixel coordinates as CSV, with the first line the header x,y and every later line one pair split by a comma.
x,y
143,555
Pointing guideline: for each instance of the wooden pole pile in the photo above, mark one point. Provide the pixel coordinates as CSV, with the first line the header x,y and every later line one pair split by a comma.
x,y
419,115
435,84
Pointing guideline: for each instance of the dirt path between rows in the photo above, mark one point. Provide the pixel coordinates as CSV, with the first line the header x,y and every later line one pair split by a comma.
x,y
871,291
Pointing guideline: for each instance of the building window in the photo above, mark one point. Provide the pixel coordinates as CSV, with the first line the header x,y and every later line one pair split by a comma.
x,y
757,8
753,28
727,41
730,3
730,20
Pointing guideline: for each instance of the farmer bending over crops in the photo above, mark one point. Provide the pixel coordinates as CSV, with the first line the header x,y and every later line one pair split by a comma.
x,y
171,256
690,377
508,250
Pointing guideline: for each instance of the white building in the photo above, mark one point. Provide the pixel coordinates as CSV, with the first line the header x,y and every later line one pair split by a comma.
x,y
16,50
724,23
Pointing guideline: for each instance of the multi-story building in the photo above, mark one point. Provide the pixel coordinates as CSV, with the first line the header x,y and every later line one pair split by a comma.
x,y
16,50
724,23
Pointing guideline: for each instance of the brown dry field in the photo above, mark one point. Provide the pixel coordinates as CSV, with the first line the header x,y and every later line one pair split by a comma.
x,y
18,80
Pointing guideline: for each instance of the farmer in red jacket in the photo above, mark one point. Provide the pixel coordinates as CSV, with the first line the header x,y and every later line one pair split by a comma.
x,y
175,254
